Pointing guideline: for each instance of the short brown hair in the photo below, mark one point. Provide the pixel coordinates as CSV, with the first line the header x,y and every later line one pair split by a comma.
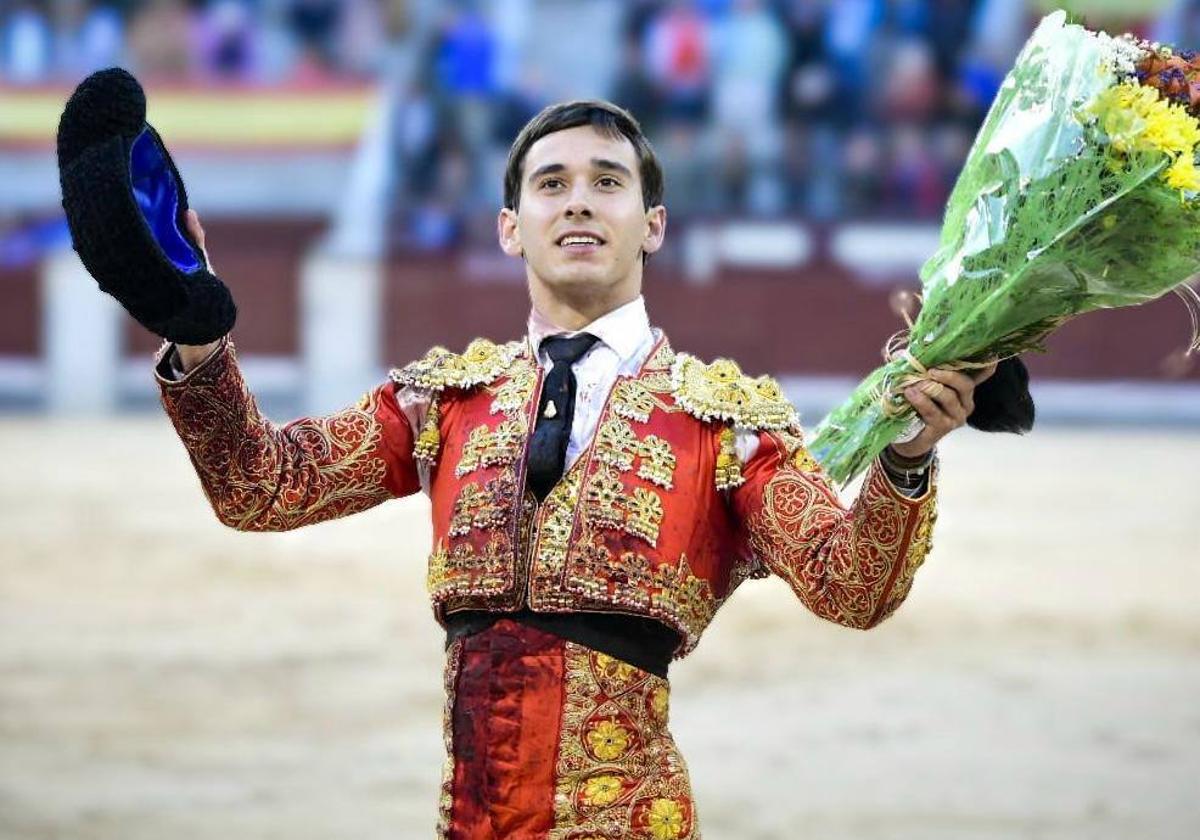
x,y
607,118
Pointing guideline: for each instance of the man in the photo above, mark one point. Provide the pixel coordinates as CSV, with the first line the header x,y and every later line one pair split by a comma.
x,y
596,496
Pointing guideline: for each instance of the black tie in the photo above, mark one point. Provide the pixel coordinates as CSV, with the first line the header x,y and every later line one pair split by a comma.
x,y
548,446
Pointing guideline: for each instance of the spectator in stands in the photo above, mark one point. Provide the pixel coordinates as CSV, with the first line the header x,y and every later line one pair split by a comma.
x,y
162,41
750,57
26,44
678,46
227,38
89,37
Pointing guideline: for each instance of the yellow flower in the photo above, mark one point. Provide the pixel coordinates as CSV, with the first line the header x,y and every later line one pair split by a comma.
x,y
602,790
609,740
665,820
1136,118
1183,175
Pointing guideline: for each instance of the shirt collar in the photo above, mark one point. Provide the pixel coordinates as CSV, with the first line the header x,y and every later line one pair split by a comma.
x,y
624,330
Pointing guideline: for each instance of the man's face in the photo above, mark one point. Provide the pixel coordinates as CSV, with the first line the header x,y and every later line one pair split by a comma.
x,y
580,224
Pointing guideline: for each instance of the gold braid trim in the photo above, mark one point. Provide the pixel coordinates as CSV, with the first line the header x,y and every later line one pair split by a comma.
x,y
481,363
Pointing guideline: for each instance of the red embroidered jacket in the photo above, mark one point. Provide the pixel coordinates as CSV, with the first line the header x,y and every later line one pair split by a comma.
x,y
658,517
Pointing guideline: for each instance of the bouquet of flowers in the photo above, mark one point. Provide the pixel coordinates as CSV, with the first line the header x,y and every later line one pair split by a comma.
x,y
1081,191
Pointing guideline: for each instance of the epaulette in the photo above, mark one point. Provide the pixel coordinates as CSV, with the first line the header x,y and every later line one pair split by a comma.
x,y
720,391
481,363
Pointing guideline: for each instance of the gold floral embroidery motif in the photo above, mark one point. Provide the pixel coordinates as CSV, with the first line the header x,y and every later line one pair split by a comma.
x,y
720,391
669,592
260,476
487,447
633,401
608,504
482,508
480,363
512,396
658,461
850,568
644,515
616,443
603,497
467,568
618,772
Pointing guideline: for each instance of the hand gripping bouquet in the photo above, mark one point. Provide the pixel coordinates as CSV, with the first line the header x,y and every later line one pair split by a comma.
x,y
1081,191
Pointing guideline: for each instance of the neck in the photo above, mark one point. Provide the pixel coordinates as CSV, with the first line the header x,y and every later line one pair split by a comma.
x,y
570,313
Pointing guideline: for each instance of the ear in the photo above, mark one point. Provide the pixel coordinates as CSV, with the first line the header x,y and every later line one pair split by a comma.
x,y
656,229
508,233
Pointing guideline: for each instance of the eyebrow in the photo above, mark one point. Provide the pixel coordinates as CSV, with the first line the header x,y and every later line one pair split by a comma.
x,y
597,163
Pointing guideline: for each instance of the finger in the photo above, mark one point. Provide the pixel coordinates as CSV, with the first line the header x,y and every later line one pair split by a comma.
x,y
947,402
197,232
983,374
958,393
960,382
930,411
194,227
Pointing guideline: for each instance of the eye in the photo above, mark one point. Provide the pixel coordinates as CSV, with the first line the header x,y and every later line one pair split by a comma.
x,y
608,181
550,182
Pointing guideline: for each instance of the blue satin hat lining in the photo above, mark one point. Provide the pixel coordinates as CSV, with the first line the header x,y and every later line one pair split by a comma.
x,y
158,199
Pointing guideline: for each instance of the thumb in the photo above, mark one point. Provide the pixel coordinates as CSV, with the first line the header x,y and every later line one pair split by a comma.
x,y
197,233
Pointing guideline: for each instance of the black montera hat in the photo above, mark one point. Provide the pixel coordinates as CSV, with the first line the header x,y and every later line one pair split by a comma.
x,y
126,208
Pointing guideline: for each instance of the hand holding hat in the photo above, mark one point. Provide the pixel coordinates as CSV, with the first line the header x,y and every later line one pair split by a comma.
x,y
127,211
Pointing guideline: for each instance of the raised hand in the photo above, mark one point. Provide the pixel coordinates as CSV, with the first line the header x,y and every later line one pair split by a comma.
x,y
943,408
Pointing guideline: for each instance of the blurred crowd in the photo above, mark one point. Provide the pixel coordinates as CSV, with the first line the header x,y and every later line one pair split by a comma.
x,y
817,108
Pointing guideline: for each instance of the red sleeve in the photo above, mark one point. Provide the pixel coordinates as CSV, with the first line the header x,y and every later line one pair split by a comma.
x,y
851,566
260,476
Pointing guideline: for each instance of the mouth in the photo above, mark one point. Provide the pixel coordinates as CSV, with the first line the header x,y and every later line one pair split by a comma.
x,y
578,242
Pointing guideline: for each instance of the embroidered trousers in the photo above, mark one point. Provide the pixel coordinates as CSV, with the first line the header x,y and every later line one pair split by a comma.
x,y
546,738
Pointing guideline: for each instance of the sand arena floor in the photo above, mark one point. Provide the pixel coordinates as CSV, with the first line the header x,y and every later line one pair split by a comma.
x,y
162,677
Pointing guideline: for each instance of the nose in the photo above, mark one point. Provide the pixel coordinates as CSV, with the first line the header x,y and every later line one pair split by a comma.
x,y
577,205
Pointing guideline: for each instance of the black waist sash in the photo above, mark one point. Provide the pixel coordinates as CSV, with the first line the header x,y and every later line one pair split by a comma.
x,y
643,642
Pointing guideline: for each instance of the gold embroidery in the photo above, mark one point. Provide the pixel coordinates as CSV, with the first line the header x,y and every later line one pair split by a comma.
x,y
603,496
658,461
430,439
848,567
632,400
446,789
616,444
465,567
482,362
608,504
618,772
720,391
487,447
663,357
729,468
260,476
512,396
644,515
482,508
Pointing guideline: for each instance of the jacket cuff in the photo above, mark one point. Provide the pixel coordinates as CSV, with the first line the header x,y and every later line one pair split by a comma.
x,y
168,370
